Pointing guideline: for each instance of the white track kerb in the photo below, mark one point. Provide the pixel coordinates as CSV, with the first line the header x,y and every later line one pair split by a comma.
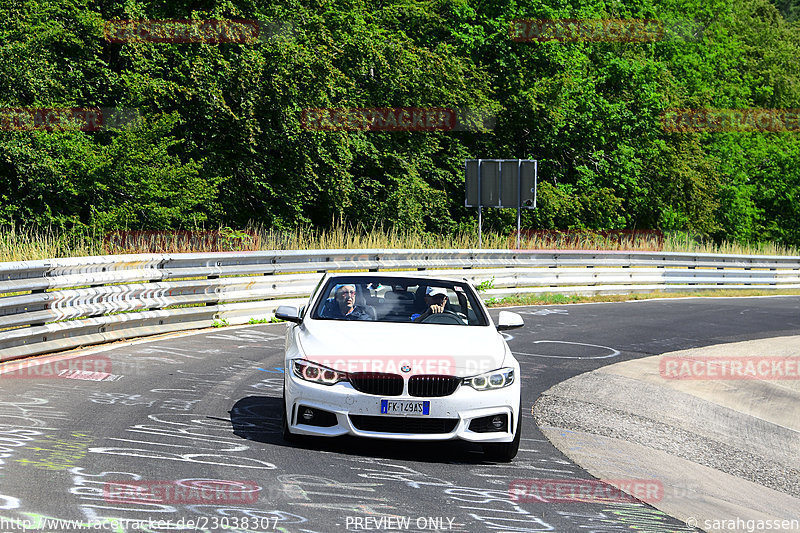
x,y
58,304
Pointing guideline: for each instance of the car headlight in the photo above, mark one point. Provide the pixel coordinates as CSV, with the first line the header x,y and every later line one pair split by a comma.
x,y
496,379
315,373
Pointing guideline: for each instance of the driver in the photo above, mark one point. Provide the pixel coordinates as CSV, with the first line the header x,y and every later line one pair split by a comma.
x,y
435,299
343,305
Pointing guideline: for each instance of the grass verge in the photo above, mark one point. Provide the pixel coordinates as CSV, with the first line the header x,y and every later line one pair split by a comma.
x,y
559,299
30,243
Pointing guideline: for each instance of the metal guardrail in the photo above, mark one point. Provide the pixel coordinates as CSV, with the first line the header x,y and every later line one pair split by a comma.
x,y
58,304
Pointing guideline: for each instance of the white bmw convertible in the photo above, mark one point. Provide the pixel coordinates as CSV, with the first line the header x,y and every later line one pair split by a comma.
x,y
397,357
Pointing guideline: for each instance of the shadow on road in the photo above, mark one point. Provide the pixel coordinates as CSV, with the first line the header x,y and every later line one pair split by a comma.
x,y
258,418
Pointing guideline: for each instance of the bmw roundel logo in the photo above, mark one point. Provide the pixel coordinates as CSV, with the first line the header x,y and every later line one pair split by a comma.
x,y
406,368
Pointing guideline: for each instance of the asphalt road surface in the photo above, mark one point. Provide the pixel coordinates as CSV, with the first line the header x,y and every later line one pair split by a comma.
x,y
179,412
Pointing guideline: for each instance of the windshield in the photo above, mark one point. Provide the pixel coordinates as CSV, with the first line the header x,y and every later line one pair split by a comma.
x,y
394,299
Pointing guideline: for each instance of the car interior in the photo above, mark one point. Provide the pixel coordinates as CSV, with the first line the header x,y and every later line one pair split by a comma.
x,y
398,302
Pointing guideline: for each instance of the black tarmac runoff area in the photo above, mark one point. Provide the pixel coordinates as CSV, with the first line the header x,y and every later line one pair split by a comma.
x,y
183,433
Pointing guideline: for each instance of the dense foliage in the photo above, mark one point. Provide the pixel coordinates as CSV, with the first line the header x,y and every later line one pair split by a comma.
x,y
221,140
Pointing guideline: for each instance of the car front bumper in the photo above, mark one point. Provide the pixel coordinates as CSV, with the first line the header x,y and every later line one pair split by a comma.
x,y
458,410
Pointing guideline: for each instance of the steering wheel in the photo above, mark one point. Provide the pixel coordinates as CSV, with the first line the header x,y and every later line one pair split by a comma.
x,y
445,317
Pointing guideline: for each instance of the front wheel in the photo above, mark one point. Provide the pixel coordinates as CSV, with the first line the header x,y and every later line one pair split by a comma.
x,y
504,452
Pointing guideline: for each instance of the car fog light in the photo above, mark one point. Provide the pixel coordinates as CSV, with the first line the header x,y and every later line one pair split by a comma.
x,y
498,422
308,414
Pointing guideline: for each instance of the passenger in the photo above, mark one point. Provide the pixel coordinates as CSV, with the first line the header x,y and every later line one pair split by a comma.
x,y
343,305
436,300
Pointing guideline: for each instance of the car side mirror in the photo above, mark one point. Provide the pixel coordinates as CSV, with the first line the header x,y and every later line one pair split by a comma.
x,y
288,313
508,320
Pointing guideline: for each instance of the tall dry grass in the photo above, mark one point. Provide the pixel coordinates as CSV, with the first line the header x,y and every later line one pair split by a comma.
x,y
29,243
686,242
346,237
20,244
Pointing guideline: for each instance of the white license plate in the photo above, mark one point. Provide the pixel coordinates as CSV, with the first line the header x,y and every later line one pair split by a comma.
x,y
405,407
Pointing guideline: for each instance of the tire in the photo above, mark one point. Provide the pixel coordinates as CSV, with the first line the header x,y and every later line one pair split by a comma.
x,y
504,452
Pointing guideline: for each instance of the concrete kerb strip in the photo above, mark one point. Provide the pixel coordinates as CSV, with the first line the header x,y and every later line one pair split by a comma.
x,y
725,451
693,493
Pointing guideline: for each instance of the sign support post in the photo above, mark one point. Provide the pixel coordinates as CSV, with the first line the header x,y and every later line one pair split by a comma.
x,y
500,189
480,208
519,200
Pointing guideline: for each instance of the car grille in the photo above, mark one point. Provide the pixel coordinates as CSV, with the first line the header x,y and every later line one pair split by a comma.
x,y
377,383
432,385
397,424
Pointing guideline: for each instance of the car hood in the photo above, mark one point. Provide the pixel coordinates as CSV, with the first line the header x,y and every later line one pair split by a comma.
x,y
351,346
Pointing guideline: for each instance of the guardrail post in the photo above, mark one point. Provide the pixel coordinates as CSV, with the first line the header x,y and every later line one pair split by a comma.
x,y
38,322
273,261
211,304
